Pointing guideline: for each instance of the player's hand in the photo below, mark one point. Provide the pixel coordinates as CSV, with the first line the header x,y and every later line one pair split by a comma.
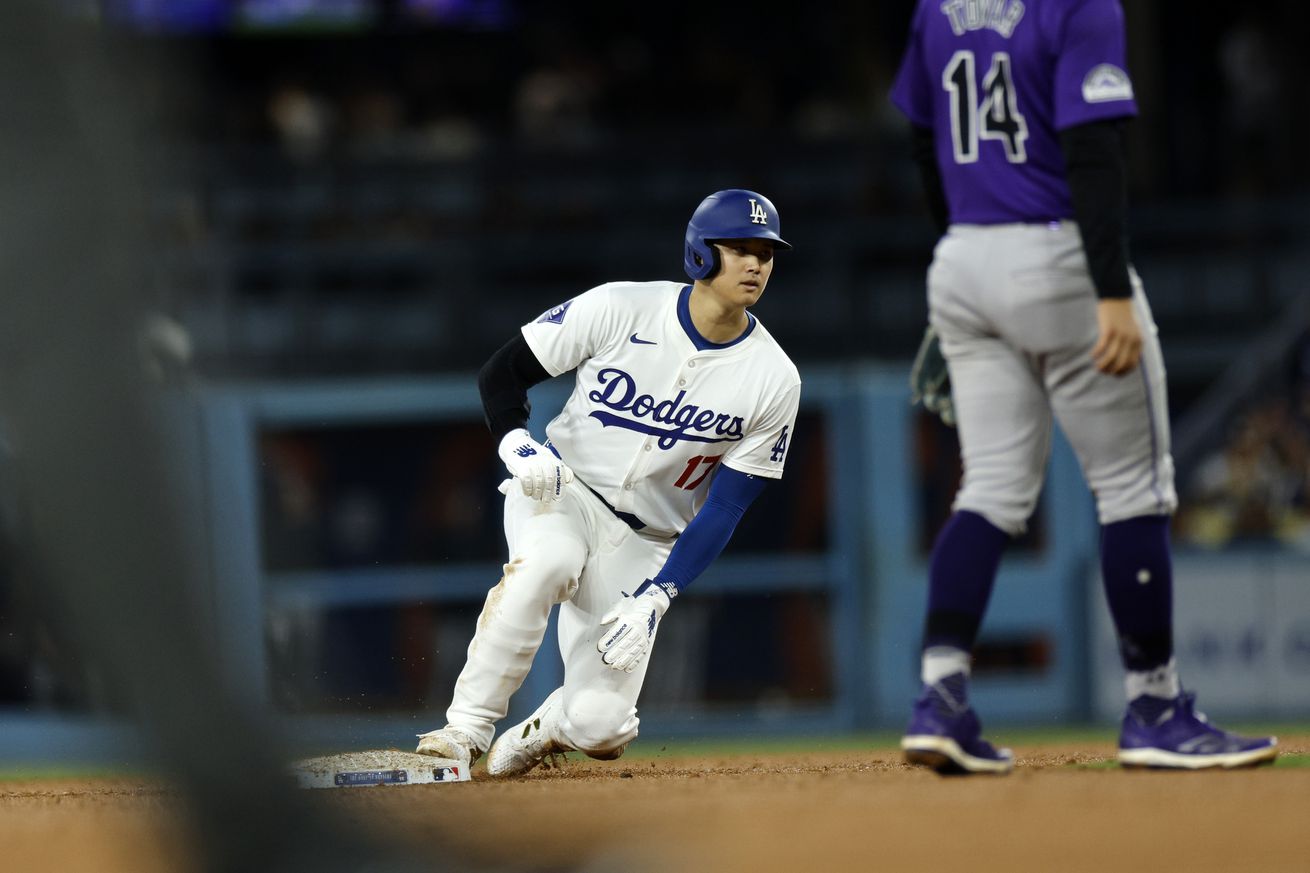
x,y
541,475
634,620
1119,343
930,380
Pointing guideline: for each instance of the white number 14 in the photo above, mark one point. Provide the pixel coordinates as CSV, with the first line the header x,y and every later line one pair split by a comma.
x,y
999,111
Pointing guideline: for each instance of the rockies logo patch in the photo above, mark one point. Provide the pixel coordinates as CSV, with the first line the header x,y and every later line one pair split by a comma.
x,y
1106,83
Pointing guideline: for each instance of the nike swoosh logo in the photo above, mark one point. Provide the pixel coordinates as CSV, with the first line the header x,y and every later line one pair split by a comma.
x,y
642,342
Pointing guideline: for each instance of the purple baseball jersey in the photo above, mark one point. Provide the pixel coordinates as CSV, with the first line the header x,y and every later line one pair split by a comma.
x,y
996,80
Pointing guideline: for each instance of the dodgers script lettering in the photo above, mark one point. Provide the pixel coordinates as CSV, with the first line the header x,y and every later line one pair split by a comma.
x,y
685,422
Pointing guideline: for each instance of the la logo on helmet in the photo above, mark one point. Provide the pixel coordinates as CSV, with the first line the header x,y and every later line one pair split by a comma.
x,y
757,213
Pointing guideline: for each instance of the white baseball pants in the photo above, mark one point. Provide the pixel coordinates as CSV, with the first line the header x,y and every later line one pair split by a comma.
x,y
578,554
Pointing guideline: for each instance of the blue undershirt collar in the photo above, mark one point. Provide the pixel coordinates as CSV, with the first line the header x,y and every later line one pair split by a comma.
x,y
700,342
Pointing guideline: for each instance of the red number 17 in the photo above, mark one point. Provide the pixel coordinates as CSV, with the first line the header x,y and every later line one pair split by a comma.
x,y
708,460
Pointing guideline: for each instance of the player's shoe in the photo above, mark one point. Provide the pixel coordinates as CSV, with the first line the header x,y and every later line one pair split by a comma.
x,y
449,742
528,743
945,733
1159,732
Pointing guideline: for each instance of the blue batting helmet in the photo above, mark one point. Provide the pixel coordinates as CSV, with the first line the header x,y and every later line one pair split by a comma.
x,y
732,214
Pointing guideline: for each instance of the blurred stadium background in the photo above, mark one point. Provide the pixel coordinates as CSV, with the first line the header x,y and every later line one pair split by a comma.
x,y
354,203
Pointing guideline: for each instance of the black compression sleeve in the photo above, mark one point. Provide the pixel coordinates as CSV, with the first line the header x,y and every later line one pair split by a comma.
x,y
1096,162
503,383
925,155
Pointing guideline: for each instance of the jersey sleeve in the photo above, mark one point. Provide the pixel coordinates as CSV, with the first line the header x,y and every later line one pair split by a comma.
x,y
763,450
912,91
565,336
1091,70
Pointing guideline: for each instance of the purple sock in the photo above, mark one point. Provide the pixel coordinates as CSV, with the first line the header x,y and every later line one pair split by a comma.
x,y
964,563
1138,578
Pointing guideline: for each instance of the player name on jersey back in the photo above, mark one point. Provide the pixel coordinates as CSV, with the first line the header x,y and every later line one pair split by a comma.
x,y
1001,16
997,81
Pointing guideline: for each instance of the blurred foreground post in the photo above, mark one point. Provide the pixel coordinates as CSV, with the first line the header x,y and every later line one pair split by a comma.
x,y
105,533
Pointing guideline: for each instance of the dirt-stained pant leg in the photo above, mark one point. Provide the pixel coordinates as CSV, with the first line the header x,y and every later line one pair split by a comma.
x,y
548,547
599,714
1004,422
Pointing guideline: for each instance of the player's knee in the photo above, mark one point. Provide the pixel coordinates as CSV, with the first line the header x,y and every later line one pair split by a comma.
x,y
1145,488
608,754
1009,512
544,573
1111,508
599,723
1004,494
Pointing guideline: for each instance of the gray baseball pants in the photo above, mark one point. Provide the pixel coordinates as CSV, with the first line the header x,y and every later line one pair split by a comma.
x,y
1015,308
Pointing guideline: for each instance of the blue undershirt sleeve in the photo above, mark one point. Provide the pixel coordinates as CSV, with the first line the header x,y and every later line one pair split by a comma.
x,y
706,535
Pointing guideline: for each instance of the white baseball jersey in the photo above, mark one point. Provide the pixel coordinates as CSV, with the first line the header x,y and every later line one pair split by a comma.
x,y
656,408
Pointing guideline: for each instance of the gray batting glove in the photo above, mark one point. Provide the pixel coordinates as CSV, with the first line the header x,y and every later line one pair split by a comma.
x,y
635,619
541,475
930,380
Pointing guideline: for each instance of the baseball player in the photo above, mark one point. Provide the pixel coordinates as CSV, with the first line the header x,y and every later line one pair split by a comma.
x,y
682,408
1018,109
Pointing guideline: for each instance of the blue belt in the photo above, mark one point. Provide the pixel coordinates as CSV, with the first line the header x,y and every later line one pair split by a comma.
x,y
626,517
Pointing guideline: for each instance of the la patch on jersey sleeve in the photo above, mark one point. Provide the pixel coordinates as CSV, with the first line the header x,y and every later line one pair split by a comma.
x,y
763,451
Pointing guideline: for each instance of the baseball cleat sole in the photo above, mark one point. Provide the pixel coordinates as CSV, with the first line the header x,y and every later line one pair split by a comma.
x,y
1162,759
945,756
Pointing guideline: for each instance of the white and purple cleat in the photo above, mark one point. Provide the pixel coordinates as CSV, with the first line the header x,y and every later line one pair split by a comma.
x,y
1171,734
945,734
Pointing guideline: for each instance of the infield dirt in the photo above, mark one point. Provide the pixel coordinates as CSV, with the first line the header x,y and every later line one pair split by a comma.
x,y
1061,810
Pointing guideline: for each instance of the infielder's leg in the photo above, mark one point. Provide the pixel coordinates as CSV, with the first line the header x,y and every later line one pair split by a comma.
x,y
1119,429
1004,429
1118,426
548,549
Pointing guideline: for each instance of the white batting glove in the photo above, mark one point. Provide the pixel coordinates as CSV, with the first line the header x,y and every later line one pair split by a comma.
x,y
635,619
541,475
